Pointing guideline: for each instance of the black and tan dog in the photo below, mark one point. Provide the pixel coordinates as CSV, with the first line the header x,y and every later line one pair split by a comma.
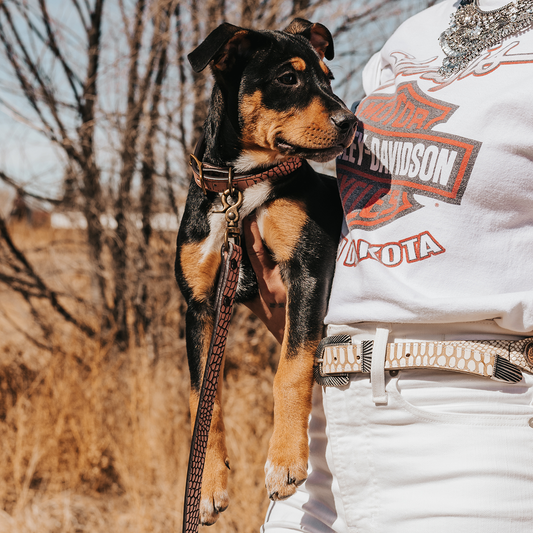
x,y
272,107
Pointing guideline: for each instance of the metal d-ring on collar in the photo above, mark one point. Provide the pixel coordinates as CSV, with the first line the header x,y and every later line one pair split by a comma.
x,y
232,212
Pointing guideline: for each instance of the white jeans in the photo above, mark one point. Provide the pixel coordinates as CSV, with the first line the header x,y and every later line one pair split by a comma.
x,y
447,453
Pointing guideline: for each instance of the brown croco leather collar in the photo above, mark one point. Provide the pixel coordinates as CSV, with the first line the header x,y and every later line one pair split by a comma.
x,y
216,179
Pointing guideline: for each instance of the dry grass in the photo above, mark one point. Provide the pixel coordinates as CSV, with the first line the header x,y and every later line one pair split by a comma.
x,y
92,440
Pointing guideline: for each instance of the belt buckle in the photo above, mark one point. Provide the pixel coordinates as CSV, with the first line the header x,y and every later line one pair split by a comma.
x,y
332,380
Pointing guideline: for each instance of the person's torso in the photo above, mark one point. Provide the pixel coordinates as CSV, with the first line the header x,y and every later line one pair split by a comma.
x,y
438,186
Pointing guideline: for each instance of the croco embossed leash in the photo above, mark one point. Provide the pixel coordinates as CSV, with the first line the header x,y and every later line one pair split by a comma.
x,y
225,297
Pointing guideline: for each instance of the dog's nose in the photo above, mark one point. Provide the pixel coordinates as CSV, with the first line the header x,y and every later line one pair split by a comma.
x,y
344,121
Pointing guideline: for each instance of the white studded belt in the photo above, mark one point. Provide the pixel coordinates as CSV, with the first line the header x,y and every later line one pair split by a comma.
x,y
501,360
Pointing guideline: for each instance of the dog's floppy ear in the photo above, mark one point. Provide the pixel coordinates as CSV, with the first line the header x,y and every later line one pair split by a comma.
x,y
221,46
319,36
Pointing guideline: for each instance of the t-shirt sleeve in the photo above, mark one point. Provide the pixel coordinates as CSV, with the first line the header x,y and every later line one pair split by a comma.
x,y
376,72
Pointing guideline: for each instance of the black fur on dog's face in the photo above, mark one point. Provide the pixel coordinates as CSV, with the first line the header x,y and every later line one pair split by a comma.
x,y
278,88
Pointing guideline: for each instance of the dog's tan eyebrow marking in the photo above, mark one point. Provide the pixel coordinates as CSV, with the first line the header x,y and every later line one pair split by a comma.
x,y
298,63
199,274
324,68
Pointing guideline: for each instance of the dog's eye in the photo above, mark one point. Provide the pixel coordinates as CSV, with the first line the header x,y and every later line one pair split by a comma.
x,y
288,79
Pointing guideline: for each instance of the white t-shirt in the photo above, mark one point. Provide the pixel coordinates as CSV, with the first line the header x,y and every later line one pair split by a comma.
x,y
437,187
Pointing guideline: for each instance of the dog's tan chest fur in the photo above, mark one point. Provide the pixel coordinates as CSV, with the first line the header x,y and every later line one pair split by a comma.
x,y
280,224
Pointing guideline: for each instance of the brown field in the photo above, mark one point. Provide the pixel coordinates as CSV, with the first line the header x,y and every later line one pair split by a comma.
x,y
95,440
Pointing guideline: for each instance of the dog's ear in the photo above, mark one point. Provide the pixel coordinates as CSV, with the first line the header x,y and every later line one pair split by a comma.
x,y
222,46
319,36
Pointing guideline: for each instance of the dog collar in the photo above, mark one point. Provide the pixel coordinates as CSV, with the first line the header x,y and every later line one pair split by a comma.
x,y
219,179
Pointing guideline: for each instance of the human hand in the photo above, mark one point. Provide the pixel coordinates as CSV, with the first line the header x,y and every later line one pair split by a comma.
x,y
269,305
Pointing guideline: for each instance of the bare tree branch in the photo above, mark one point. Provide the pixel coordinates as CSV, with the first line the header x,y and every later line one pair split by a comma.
x,y
82,14
45,291
92,193
73,80
24,192
24,333
46,90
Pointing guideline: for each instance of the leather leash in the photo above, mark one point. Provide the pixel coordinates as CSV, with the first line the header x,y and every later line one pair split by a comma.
x,y
227,287
224,300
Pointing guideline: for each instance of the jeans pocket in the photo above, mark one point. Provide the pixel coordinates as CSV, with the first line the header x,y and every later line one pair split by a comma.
x,y
452,398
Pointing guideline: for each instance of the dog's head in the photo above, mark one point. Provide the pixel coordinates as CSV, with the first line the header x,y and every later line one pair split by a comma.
x,y
276,92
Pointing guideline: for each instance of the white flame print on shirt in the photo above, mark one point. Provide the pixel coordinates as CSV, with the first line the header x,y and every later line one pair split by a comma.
x,y
428,69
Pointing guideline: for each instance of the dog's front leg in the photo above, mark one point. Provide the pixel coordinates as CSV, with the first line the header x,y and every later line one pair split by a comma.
x,y
306,258
288,454
286,467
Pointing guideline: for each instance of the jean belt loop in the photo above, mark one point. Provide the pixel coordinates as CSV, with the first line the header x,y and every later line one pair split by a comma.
x,y
377,370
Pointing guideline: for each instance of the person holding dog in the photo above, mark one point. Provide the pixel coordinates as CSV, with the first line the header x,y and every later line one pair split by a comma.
x,y
430,426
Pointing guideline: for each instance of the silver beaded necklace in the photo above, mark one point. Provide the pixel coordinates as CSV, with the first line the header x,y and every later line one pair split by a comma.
x,y
472,31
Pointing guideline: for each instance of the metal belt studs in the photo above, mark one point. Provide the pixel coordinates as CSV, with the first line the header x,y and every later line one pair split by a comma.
x,y
528,353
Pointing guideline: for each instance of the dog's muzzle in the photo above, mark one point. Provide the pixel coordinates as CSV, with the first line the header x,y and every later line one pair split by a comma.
x,y
337,357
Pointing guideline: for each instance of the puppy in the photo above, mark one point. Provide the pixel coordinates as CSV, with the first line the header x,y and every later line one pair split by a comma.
x,y
271,108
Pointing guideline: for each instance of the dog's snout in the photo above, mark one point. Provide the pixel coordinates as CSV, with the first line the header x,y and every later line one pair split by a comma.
x,y
344,121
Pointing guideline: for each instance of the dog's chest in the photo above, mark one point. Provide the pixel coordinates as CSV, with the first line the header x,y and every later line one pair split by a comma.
x,y
253,198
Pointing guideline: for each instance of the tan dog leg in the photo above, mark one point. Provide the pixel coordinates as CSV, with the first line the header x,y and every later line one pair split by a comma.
x,y
286,467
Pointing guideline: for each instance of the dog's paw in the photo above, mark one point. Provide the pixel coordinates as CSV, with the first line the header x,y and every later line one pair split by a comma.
x,y
212,505
215,497
282,479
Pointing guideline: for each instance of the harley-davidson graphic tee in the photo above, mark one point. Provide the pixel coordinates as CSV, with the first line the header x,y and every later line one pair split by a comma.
x,y
437,186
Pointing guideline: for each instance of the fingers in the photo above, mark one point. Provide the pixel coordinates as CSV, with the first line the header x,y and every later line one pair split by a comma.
x,y
269,306
259,256
268,275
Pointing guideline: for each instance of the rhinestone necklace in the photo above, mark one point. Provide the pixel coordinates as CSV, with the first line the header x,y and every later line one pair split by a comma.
x,y
472,31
